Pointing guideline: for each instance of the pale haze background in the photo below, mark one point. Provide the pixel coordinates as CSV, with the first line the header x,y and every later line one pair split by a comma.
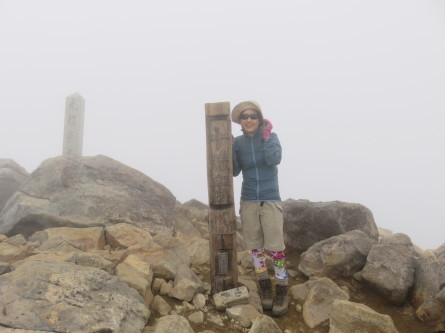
x,y
355,91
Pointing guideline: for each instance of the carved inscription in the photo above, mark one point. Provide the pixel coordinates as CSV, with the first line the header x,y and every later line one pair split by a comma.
x,y
216,134
220,163
220,182
219,154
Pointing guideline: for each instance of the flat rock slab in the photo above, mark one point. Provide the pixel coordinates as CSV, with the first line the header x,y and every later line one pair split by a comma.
x,y
231,297
65,297
349,317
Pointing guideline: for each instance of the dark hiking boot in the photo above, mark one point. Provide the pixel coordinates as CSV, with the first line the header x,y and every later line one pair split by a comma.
x,y
281,302
265,292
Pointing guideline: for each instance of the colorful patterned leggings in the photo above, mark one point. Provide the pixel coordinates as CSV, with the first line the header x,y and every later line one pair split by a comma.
x,y
278,260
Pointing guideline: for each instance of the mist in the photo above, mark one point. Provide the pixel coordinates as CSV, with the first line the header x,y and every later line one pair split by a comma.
x,y
355,92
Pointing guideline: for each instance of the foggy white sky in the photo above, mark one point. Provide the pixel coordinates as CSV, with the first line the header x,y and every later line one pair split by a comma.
x,y
355,90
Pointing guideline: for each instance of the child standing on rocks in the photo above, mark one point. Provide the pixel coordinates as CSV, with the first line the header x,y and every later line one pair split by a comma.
x,y
257,153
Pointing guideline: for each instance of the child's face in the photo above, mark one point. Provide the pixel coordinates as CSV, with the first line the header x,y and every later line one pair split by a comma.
x,y
250,121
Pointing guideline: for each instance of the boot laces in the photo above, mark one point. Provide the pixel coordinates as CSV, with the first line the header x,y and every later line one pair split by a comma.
x,y
266,288
281,294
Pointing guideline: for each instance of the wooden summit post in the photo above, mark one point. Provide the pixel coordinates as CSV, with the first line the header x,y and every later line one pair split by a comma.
x,y
222,219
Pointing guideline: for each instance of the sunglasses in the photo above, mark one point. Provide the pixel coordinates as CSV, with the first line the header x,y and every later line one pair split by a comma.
x,y
253,116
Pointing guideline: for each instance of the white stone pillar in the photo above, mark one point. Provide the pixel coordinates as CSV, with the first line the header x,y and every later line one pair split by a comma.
x,y
73,130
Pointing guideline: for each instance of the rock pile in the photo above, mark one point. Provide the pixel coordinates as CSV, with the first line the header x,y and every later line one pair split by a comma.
x,y
144,267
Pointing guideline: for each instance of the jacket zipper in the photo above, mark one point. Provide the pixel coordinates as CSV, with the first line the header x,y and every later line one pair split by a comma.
x,y
256,170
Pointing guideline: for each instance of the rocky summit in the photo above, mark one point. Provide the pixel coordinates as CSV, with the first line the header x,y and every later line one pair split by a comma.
x,y
88,244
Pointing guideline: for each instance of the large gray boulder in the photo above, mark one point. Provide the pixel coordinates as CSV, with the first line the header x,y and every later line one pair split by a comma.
x,y
338,256
389,268
65,297
429,275
306,222
12,176
87,192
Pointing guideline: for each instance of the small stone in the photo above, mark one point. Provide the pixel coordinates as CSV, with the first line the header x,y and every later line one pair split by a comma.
x,y
215,319
161,306
157,283
199,301
166,288
179,308
188,306
292,273
206,288
196,317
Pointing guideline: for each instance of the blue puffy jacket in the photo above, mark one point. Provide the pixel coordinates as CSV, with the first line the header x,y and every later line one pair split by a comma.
x,y
257,158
